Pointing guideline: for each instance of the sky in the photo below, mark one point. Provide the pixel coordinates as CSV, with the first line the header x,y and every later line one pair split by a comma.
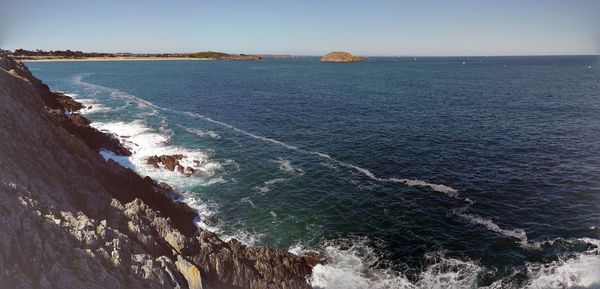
x,y
369,28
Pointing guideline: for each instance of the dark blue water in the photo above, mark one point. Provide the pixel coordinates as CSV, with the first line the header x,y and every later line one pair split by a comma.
x,y
406,173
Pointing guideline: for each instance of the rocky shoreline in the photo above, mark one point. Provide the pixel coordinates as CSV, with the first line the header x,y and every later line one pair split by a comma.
x,y
70,218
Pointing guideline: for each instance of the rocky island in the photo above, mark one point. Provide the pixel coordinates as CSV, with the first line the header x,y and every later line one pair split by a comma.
x,y
71,219
340,56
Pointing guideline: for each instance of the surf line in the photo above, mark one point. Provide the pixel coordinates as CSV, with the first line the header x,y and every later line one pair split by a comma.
x,y
519,234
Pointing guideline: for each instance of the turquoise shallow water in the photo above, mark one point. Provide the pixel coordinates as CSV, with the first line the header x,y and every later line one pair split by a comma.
x,y
406,173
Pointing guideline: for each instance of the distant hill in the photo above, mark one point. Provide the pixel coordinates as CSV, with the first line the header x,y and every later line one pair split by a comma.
x,y
209,54
282,56
223,56
69,54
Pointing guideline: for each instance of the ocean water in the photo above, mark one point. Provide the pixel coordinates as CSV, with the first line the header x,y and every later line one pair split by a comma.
x,y
463,172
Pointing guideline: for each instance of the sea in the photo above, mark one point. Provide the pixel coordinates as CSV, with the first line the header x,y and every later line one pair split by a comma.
x,y
427,172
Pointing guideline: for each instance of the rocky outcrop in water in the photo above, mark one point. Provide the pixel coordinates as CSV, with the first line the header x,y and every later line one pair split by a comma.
x,y
340,56
171,163
70,219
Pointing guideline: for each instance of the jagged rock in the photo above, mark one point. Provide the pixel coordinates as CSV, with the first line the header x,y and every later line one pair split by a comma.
x,y
165,186
340,56
79,120
57,101
190,272
312,259
189,171
67,102
153,161
171,163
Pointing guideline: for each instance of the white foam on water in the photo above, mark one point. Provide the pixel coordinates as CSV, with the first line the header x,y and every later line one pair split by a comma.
x,y
217,180
115,93
351,268
145,142
452,192
517,233
247,200
70,94
90,105
297,249
207,220
266,186
140,103
202,133
245,237
286,166
206,212
581,271
450,273
365,172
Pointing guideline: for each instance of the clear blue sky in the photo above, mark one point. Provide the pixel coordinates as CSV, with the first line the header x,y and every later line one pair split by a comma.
x,y
444,27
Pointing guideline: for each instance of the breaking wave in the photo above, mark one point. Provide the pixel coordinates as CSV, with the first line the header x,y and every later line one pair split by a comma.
x,y
145,142
581,271
350,265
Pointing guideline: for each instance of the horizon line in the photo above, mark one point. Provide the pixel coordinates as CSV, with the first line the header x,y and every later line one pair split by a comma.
x,y
319,55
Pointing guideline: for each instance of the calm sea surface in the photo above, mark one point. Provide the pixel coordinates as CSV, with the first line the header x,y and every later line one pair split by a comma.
x,y
406,173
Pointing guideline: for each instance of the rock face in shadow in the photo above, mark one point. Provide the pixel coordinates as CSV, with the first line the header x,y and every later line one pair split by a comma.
x,y
340,56
70,219
61,106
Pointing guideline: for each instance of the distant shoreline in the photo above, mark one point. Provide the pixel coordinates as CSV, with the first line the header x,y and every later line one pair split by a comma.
x,y
139,58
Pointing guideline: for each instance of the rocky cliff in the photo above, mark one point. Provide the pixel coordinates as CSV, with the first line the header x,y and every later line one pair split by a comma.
x,y
70,219
340,56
